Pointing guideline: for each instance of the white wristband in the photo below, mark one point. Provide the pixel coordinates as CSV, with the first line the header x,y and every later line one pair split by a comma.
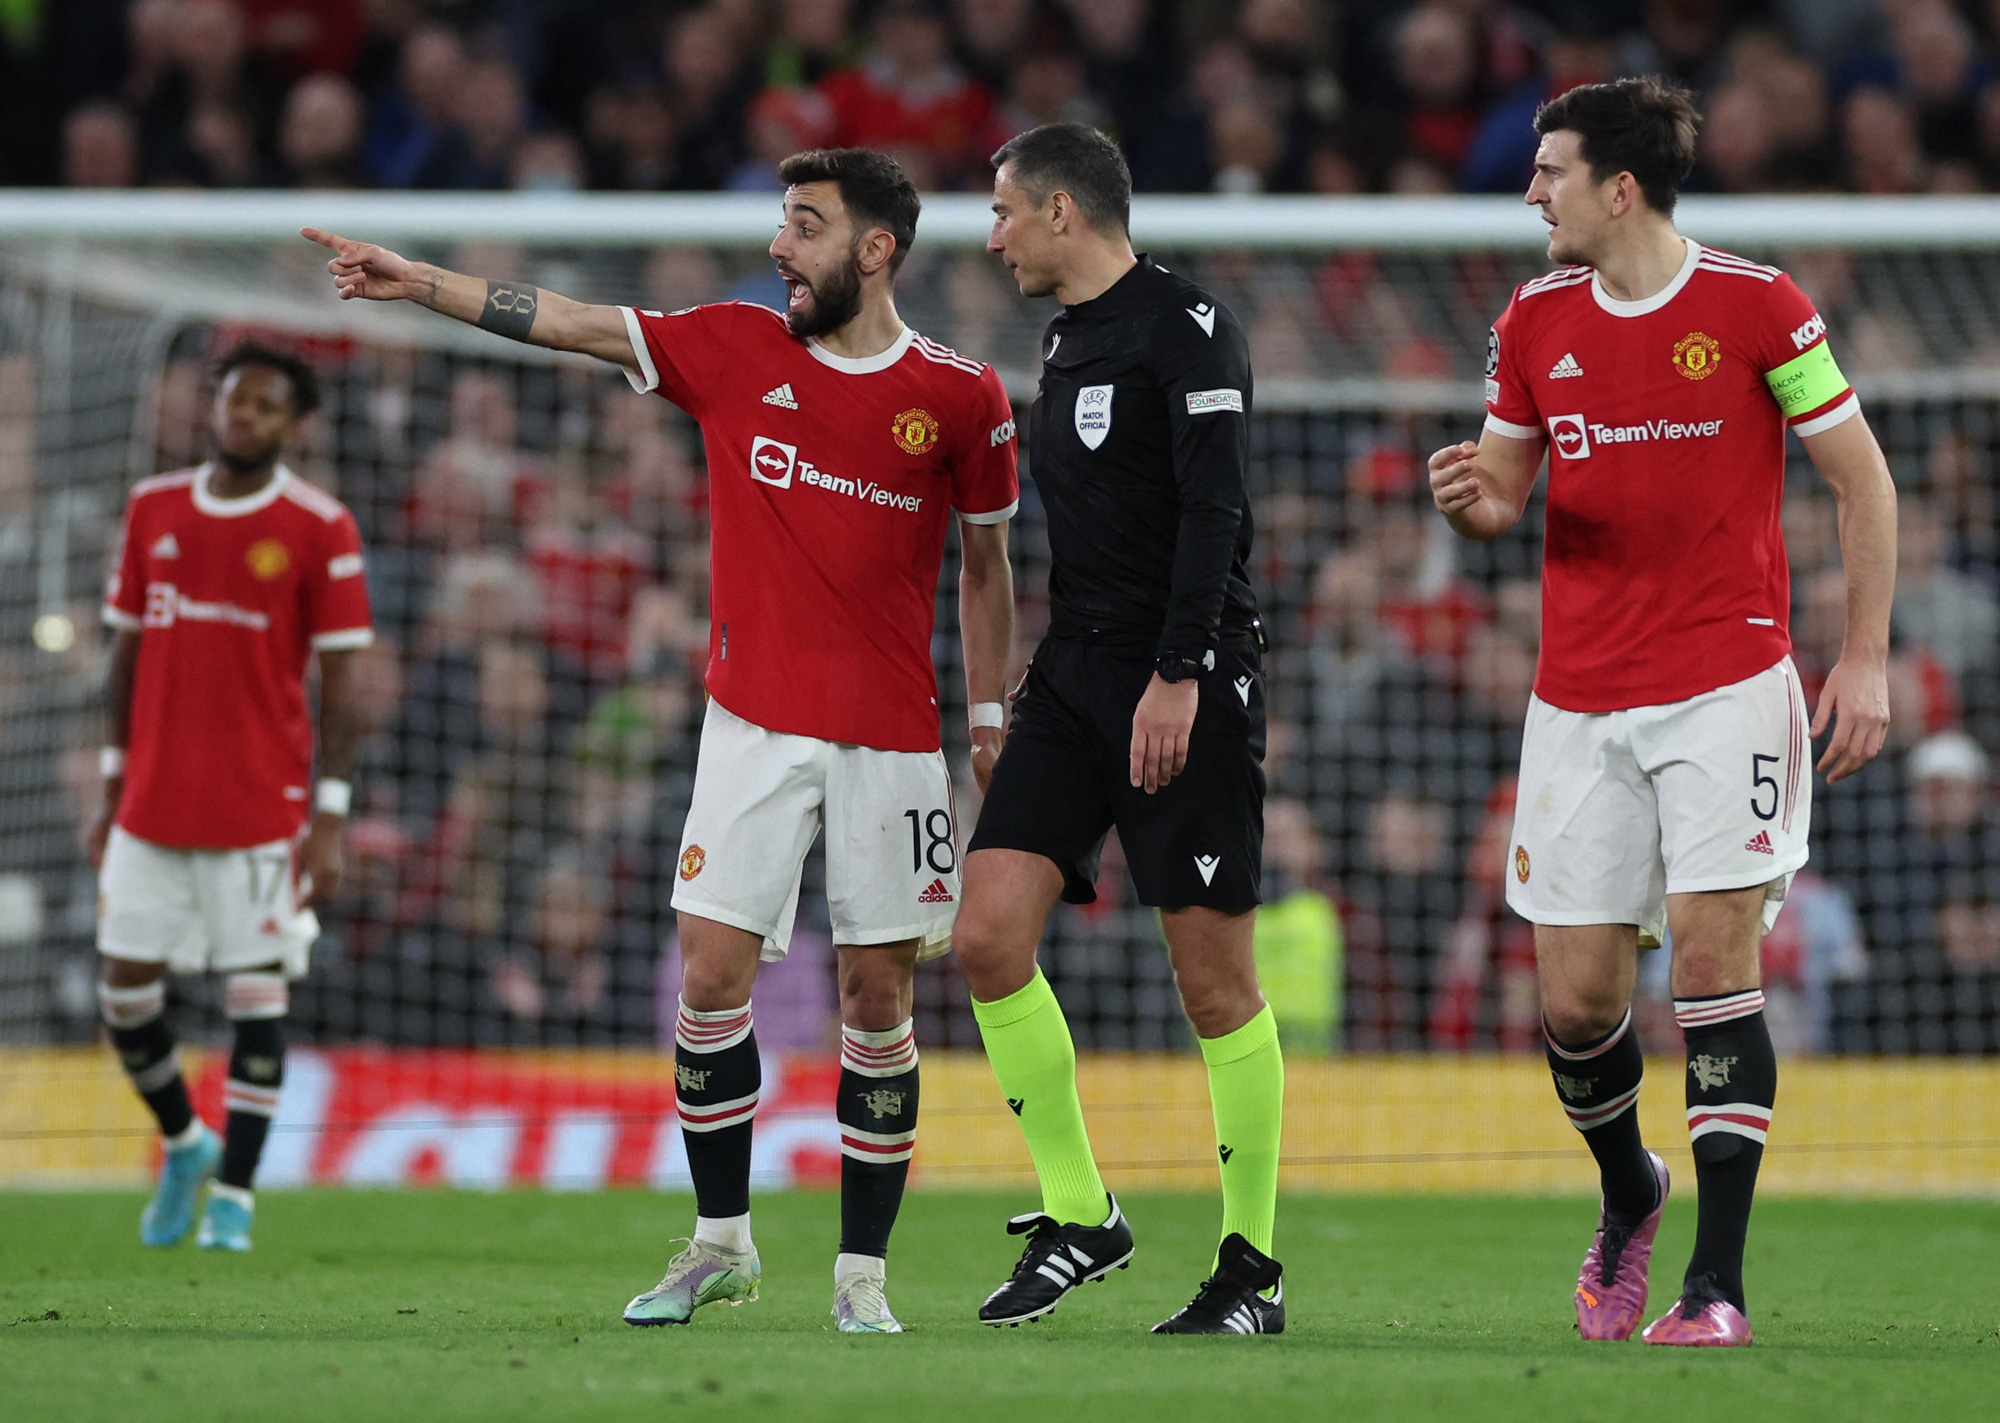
x,y
333,797
986,714
111,762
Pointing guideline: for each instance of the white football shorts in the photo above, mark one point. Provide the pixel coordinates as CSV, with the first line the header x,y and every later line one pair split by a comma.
x,y
219,911
761,796
1618,810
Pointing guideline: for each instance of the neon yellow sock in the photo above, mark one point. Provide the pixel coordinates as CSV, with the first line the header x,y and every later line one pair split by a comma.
x,y
1246,1088
1028,1043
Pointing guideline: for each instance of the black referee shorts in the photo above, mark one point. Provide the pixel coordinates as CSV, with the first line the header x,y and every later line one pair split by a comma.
x,y
1064,778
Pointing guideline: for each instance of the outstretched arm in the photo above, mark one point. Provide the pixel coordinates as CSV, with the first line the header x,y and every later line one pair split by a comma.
x,y
512,309
1481,489
1855,700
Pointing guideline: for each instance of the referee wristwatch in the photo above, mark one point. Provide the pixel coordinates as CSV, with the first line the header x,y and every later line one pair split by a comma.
x,y
1178,666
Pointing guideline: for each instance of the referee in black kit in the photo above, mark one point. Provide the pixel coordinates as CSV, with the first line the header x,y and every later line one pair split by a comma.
x,y
1143,709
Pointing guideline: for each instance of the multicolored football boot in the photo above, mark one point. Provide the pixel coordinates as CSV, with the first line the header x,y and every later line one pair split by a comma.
x,y
701,1274
1611,1286
183,1171
860,1307
1701,1318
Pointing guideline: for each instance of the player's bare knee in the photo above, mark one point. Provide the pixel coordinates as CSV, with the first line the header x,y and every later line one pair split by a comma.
x,y
712,982
1575,1017
129,973
875,986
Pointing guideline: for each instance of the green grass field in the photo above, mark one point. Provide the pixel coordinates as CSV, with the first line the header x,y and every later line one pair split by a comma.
x,y
437,1305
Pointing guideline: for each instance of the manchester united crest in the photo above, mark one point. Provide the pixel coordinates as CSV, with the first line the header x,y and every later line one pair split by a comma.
x,y
1697,354
915,430
268,559
1521,863
693,858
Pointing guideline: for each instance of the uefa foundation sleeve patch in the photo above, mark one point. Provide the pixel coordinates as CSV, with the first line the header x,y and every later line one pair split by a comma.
x,y
1207,402
1806,383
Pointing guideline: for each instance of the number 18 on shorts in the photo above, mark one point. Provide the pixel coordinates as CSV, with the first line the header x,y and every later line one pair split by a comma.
x,y
761,796
1617,810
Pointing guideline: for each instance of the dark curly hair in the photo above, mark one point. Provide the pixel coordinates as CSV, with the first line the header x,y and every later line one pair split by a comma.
x,y
297,371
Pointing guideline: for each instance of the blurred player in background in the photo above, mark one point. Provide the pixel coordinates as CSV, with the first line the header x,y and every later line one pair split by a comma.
x,y
839,442
1664,772
1143,710
213,840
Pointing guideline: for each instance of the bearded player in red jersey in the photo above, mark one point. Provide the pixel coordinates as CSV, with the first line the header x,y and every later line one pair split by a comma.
x,y
229,579
839,442
1664,777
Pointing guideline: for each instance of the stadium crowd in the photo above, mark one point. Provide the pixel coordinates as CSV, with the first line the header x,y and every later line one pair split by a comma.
x,y
1232,96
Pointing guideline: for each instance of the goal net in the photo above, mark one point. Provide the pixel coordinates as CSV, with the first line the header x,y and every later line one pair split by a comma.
x,y
492,997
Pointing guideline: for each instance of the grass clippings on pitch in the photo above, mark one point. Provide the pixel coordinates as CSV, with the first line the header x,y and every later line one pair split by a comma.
x,y
440,1306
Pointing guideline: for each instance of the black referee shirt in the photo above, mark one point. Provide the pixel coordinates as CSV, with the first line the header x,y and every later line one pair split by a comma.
x,y
1137,443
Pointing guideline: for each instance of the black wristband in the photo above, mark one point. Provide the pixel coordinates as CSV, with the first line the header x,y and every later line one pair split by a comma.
x,y
509,309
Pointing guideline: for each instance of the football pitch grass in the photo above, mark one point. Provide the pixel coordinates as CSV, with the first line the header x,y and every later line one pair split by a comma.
x,y
439,1305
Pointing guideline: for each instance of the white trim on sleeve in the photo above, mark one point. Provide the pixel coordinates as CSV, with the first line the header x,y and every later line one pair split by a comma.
x,y
998,516
646,379
120,619
342,639
1846,410
1510,429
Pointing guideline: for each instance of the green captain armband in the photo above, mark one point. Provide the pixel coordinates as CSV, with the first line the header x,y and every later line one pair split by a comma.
x,y
1806,383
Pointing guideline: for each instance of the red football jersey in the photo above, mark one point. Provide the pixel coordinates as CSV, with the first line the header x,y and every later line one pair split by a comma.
x,y
230,598
831,482
1663,571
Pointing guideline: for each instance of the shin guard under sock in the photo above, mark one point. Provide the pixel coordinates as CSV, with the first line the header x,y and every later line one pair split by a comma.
x,y
1731,1086
1598,1083
717,1078
1033,1056
1246,1091
877,1108
137,1020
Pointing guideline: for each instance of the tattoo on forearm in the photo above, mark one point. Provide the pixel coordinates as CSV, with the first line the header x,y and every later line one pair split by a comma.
x,y
430,298
509,309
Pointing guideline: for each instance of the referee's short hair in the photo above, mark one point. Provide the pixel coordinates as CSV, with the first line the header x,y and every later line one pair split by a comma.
x,y
873,187
1637,126
297,371
1075,159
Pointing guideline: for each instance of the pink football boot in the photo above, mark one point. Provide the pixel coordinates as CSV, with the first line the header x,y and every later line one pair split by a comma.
x,y
1701,1318
1611,1286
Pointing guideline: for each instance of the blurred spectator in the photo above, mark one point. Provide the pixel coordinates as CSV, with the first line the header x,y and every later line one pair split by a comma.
x,y
548,162
319,137
1883,155
1437,69
100,148
411,118
815,37
995,35
708,89
1298,943
1816,945
907,97
1951,613
781,122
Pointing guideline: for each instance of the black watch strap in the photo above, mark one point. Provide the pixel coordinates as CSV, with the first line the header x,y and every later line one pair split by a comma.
x,y
1177,666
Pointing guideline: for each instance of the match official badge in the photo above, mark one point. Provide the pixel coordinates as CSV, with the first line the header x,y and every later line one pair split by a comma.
x,y
916,431
268,559
1093,415
693,859
1697,354
1521,863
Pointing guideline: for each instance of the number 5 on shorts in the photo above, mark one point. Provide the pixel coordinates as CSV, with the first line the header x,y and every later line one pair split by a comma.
x,y
1758,780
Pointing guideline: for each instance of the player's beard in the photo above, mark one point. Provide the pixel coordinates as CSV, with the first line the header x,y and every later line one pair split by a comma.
x,y
836,300
250,463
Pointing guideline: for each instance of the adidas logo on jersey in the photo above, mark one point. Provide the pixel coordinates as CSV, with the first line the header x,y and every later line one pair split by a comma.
x,y
167,546
935,894
782,397
1762,844
1566,368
